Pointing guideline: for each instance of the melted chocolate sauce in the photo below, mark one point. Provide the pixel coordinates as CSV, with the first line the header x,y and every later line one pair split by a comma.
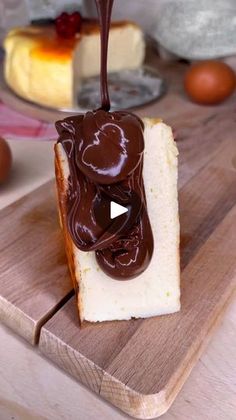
x,y
105,155
104,9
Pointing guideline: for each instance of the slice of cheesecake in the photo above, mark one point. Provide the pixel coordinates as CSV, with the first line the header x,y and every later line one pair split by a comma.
x,y
157,290
43,68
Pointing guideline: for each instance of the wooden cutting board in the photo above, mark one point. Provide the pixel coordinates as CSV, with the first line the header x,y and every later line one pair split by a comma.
x,y
34,280
139,365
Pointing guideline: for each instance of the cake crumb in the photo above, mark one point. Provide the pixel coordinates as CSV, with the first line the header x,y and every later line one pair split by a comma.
x,y
167,294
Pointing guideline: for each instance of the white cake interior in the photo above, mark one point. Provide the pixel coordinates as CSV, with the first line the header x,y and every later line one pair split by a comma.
x,y
126,50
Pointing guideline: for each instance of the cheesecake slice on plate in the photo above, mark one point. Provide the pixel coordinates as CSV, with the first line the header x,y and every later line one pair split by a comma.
x,y
157,290
44,68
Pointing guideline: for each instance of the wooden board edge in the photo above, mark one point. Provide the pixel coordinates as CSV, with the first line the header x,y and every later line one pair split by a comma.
x,y
96,379
151,406
27,328
174,387
129,401
64,356
51,313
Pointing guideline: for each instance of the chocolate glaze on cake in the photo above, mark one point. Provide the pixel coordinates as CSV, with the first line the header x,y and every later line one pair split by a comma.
x,y
105,155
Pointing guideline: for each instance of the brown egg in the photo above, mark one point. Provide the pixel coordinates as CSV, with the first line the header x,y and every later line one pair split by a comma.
x,y
5,160
209,82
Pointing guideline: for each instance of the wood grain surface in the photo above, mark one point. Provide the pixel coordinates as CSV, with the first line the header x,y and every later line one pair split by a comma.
x,y
139,365
34,279
48,392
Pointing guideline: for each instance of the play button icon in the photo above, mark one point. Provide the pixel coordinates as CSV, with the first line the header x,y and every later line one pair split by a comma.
x,y
114,213
116,210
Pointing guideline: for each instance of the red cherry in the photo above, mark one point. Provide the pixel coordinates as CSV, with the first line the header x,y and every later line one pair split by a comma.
x,y
64,31
68,25
63,16
76,18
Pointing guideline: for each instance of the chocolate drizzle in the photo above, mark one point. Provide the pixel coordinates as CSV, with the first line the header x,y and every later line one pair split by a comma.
x,y
105,155
104,9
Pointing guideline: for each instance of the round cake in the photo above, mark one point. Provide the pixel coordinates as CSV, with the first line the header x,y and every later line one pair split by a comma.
x,y
43,67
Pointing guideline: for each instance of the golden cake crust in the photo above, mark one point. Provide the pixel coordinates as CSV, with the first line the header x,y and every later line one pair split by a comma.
x,y
62,186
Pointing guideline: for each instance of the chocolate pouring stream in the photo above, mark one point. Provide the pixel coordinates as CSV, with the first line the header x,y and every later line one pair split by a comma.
x,y
105,155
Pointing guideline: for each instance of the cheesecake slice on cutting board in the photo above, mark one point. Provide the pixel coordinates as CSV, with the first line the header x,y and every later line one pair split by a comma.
x,y
45,68
157,290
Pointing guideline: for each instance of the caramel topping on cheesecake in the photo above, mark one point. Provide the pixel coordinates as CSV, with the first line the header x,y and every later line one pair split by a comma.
x,y
54,48
48,45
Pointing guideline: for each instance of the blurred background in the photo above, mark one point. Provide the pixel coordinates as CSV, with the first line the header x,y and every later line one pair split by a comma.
x,y
188,28
19,12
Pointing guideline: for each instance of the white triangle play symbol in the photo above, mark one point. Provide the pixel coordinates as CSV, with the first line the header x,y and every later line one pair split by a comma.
x,y
116,210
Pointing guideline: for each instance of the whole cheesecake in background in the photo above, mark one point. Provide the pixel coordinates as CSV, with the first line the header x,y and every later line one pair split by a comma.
x,y
43,67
